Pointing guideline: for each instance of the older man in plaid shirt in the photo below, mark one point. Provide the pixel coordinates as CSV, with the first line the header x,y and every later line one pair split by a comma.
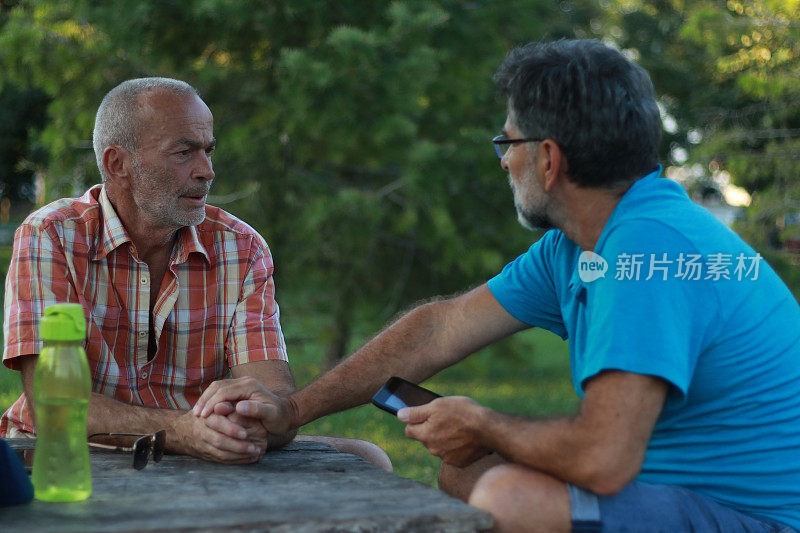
x,y
178,294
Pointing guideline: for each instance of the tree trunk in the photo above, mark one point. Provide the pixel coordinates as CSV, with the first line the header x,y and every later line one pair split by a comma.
x,y
342,329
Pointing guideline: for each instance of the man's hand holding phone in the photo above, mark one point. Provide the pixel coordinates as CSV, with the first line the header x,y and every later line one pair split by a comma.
x,y
449,427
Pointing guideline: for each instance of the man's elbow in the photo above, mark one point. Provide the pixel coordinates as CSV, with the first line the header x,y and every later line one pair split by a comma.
x,y
607,477
609,485
276,442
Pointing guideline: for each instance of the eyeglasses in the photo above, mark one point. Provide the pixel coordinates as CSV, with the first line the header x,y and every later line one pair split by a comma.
x,y
501,143
141,446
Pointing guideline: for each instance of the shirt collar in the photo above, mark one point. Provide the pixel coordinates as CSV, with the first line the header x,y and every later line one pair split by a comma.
x,y
630,194
189,242
113,235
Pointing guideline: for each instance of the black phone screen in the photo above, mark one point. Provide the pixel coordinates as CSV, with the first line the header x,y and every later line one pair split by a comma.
x,y
398,393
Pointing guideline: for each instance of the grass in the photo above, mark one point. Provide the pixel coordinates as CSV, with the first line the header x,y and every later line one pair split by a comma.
x,y
10,387
528,374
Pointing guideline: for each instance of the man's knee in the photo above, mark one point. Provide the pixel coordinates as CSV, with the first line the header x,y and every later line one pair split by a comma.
x,y
521,499
458,482
495,488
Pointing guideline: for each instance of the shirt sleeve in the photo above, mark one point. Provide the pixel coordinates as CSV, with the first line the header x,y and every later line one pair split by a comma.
x,y
526,287
38,276
647,319
255,332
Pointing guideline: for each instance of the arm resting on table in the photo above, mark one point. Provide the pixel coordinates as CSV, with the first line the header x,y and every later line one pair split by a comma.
x,y
186,434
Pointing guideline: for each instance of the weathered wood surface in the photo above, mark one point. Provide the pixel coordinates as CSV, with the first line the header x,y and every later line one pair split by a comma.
x,y
307,487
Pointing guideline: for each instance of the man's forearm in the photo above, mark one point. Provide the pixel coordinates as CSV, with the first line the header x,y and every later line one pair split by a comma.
x,y
561,447
107,415
601,448
426,340
409,348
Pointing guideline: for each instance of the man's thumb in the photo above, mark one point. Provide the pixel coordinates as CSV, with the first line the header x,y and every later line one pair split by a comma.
x,y
255,409
412,415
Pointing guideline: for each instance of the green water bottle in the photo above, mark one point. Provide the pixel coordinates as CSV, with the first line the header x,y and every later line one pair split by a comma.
x,y
61,390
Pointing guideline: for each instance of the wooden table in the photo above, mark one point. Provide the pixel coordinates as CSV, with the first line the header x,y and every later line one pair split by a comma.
x,y
306,487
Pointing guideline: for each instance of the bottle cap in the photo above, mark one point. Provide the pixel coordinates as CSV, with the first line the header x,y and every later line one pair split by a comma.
x,y
63,322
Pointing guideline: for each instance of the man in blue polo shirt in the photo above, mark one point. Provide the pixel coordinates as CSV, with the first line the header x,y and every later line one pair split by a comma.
x,y
684,344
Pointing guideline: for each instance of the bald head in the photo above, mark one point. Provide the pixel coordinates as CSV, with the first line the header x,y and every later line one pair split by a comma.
x,y
119,117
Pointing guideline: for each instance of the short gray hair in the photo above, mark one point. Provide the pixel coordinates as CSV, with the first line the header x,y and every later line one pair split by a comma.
x,y
117,120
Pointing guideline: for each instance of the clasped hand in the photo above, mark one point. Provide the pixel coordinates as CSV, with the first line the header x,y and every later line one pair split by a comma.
x,y
232,421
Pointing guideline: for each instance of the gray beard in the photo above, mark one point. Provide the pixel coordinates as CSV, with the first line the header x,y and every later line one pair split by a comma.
x,y
534,221
146,197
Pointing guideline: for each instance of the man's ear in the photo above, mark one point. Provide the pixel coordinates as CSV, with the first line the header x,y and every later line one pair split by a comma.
x,y
553,164
117,162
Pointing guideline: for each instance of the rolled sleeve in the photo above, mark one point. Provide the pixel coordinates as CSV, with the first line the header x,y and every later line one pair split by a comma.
x,y
38,276
255,332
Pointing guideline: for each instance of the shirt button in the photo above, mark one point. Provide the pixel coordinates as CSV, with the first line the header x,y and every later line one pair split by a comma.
x,y
144,281
144,374
142,333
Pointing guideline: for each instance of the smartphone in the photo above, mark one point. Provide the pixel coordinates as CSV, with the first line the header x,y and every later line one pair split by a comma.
x,y
398,393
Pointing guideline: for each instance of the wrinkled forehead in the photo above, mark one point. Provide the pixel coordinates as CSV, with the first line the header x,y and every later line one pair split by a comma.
x,y
165,116
156,104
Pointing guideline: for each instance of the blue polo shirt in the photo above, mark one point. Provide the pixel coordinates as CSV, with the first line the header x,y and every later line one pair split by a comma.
x,y
676,294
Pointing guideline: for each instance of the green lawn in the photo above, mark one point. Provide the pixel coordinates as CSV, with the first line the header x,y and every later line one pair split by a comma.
x,y
526,375
10,387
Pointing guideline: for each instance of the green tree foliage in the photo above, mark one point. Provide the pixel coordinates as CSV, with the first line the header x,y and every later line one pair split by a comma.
x,y
21,112
728,72
354,135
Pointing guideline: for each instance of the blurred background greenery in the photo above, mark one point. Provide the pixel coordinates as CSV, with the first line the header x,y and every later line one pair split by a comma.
x,y
355,137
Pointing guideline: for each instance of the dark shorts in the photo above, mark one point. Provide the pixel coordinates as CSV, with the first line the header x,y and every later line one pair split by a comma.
x,y
655,508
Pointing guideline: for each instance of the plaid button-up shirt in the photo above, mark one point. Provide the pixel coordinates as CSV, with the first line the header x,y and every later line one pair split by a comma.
x,y
215,309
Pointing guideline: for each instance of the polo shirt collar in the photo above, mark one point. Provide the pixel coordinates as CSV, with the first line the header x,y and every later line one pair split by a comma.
x,y
114,235
631,195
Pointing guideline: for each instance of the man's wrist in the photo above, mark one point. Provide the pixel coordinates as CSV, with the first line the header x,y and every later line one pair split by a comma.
x,y
293,413
175,423
485,428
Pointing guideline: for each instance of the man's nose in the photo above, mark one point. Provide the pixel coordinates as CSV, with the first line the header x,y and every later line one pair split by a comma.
x,y
205,169
504,162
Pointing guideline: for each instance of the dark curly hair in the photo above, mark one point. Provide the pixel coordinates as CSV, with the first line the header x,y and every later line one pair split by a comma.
x,y
598,106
